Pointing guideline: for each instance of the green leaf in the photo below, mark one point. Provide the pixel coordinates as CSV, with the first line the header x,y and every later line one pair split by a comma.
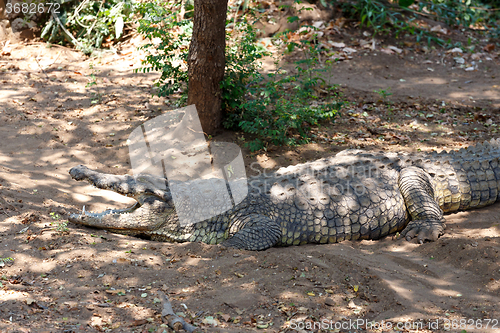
x,y
47,28
292,19
363,18
406,3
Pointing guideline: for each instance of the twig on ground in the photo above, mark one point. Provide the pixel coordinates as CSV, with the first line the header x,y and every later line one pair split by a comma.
x,y
174,321
43,71
34,236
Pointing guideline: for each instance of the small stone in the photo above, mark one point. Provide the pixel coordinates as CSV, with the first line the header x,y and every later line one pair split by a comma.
x,y
329,301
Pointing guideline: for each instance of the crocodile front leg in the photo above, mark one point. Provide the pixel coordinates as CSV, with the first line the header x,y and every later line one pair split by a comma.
x,y
255,232
427,222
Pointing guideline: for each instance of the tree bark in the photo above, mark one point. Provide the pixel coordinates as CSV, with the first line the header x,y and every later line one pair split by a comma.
x,y
206,61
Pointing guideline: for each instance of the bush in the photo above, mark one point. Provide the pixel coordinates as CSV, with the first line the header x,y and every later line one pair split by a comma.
x,y
169,55
242,67
281,108
86,24
399,16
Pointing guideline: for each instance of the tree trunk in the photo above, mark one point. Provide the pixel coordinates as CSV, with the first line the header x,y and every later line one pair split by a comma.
x,y
206,61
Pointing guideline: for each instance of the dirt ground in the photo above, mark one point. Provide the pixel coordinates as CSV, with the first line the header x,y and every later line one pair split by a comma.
x,y
67,278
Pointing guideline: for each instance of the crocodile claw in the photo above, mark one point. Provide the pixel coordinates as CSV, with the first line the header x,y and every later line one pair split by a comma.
x,y
424,230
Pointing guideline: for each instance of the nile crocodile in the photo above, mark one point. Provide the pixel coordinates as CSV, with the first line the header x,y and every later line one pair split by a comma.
x,y
352,195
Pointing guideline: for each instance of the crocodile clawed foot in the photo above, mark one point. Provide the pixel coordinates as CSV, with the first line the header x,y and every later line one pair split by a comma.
x,y
424,230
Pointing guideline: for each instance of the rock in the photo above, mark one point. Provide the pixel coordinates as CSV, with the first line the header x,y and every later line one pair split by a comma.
x,y
19,24
329,301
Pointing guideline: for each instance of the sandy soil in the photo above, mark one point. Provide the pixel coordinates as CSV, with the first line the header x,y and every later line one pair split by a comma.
x,y
66,278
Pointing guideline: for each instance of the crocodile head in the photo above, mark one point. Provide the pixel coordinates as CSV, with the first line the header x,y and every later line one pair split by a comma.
x,y
153,204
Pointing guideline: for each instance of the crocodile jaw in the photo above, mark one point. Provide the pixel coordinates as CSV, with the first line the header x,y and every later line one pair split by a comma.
x,y
90,218
154,205
130,186
146,215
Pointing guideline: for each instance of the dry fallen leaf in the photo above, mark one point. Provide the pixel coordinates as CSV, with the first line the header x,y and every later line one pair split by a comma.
x,y
335,44
455,50
114,292
395,49
386,50
138,322
489,48
401,137
349,50
123,261
439,29
6,49
210,321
